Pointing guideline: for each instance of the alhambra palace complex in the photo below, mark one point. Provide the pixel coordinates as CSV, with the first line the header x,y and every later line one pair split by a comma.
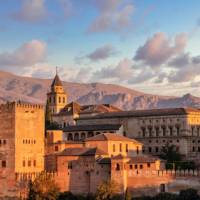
x,y
95,143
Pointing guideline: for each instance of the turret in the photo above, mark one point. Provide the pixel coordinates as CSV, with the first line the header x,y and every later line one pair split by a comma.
x,y
57,98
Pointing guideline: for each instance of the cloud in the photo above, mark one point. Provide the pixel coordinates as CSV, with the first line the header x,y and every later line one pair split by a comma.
x,y
159,49
31,11
114,15
122,72
28,54
102,53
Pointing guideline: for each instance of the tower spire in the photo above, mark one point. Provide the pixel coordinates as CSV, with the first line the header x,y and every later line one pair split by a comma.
x,y
56,70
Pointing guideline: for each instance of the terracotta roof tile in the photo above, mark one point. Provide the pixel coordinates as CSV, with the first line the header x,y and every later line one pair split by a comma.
x,y
111,137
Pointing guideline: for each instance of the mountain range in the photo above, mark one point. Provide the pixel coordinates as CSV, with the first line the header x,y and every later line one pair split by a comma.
x,y
13,87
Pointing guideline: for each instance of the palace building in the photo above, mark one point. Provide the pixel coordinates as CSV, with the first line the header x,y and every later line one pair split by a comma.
x,y
154,128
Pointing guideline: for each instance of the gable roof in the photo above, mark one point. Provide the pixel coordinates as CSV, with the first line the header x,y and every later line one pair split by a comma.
x,y
111,137
81,151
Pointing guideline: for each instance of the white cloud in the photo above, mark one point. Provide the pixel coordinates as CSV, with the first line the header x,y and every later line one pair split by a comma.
x,y
159,49
102,53
31,11
114,15
28,54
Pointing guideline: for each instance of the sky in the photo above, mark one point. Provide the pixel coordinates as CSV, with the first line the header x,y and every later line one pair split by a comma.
x,y
147,45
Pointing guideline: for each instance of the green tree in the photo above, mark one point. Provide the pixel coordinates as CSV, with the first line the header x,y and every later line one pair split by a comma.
x,y
106,190
171,155
43,188
165,196
189,194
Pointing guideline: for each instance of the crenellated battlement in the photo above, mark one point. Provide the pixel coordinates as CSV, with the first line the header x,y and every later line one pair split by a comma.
x,y
18,104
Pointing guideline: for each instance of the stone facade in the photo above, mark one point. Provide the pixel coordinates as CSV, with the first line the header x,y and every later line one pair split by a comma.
x,y
21,143
101,158
156,128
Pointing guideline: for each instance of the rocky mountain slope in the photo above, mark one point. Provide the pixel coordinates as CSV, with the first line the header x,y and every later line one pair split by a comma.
x,y
14,87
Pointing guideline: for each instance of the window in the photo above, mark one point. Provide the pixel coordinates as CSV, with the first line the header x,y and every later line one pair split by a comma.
x,y
136,166
198,149
193,149
162,188
171,131
150,131
59,99
141,166
76,137
137,150
178,130
120,147
126,147
56,148
3,163
117,167
149,149
34,163
4,141
69,165
157,149
143,132
29,163
63,99
113,147
192,130
131,166
157,131
164,131
148,165
23,163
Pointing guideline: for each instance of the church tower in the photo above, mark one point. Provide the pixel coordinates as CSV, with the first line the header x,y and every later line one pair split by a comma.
x,y
56,98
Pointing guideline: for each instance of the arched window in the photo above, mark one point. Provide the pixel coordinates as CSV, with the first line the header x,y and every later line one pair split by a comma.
x,y
90,134
82,136
76,137
69,137
117,167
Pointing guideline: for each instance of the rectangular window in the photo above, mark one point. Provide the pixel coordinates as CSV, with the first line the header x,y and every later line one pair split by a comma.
x,y
120,147
126,147
131,166
114,148
148,165
136,166
149,149
29,163
141,166
34,163
23,163
3,163
56,148
137,150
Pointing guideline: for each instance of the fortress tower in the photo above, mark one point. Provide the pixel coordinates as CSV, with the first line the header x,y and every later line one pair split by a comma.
x,y
56,98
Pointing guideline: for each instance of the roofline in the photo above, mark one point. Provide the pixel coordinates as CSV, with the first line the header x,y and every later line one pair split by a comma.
x,y
121,114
